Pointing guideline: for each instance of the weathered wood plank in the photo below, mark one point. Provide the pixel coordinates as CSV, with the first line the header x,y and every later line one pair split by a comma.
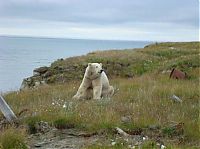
x,y
6,110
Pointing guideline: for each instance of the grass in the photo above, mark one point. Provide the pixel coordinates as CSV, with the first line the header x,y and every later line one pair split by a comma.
x,y
64,122
145,98
12,139
126,63
32,122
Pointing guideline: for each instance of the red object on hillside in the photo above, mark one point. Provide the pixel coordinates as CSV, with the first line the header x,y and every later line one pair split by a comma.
x,y
177,74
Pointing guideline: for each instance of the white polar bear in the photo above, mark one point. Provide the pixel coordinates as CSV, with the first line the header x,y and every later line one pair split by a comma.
x,y
95,84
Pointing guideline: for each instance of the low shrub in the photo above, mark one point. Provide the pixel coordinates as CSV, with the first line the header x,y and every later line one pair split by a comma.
x,y
31,122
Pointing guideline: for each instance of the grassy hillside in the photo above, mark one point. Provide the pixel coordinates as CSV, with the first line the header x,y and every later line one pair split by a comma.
x,y
124,63
142,102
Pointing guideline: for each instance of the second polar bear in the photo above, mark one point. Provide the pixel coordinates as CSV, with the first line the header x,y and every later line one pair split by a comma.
x,y
95,84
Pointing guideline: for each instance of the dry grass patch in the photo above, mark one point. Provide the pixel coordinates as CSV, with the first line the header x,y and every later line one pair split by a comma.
x,y
12,138
146,100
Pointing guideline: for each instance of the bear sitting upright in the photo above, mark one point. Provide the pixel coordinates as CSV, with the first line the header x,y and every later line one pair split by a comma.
x,y
95,84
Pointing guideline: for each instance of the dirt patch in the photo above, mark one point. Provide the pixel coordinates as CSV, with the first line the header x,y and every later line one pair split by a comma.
x,y
63,139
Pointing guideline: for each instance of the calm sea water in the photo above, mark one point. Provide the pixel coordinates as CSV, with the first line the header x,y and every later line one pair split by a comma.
x,y
20,55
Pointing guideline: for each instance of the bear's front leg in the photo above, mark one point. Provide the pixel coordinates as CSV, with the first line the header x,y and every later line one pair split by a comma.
x,y
97,92
82,92
97,88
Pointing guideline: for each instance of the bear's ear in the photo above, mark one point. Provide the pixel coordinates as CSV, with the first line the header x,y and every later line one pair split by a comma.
x,y
89,64
101,64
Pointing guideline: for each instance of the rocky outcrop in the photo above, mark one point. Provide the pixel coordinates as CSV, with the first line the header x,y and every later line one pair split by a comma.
x,y
62,73
40,71
31,83
54,74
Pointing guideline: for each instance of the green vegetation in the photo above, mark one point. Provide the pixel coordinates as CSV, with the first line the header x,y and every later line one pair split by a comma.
x,y
125,63
31,122
143,93
117,146
64,123
12,139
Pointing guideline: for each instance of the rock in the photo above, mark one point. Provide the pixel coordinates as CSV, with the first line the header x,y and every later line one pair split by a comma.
x,y
40,144
25,84
32,82
176,98
122,132
42,127
39,71
154,127
36,74
47,74
126,119
43,82
37,83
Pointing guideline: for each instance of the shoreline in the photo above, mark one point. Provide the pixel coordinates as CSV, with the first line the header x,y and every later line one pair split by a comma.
x,y
126,63
71,57
23,55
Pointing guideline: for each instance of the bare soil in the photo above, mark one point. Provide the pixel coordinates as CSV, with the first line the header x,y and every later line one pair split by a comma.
x,y
63,139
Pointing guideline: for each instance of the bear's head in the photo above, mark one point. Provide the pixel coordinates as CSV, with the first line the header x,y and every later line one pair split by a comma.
x,y
93,70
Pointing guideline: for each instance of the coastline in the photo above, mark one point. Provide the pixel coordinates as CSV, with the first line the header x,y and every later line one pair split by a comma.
x,y
128,63
20,56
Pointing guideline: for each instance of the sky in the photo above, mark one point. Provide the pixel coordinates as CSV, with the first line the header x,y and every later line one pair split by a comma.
x,y
152,20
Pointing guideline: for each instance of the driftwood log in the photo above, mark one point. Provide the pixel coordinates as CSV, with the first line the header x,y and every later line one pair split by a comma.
x,y
7,111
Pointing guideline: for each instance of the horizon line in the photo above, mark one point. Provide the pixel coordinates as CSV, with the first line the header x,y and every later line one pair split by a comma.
x,y
74,38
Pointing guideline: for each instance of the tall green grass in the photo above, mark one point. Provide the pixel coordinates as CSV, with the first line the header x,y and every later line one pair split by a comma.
x,y
12,139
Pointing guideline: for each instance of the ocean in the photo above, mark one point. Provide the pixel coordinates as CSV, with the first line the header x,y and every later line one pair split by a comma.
x,y
19,56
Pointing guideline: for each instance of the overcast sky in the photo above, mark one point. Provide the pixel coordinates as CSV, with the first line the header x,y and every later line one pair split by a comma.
x,y
155,20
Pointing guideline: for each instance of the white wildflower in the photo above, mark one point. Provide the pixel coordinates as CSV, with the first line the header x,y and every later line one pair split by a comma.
x,y
113,143
64,106
162,147
130,146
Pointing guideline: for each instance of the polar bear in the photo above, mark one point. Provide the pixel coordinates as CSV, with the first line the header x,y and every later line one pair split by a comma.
x,y
95,84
